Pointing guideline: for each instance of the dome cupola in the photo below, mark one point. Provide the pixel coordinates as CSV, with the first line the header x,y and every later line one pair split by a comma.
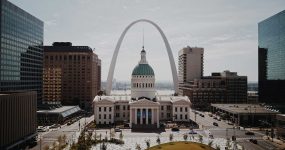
x,y
143,79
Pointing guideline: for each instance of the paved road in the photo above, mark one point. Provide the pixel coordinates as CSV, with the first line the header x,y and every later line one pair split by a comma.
x,y
206,121
72,133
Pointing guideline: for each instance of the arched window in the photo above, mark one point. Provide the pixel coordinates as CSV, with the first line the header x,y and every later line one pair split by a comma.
x,y
146,85
143,85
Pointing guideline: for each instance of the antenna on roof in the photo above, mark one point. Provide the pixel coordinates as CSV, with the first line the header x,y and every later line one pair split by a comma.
x,y
143,39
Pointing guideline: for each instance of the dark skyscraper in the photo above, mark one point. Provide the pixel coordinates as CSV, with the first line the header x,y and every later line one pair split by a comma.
x,y
21,53
271,59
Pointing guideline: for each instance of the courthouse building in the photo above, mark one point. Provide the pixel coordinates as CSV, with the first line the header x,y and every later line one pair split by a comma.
x,y
143,107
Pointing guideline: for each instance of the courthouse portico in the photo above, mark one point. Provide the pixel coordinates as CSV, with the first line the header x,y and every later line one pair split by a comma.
x,y
144,112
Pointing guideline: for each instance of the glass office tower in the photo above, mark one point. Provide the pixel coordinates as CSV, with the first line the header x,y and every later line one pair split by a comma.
x,y
21,53
271,59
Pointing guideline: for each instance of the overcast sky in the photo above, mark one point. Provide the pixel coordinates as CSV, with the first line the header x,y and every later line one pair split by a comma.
x,y
226,29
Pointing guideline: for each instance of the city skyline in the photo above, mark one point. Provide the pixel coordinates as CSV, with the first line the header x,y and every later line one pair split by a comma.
x,y
226,30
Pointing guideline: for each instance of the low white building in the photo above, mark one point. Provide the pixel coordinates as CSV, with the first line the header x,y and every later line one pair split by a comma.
x,y
142,107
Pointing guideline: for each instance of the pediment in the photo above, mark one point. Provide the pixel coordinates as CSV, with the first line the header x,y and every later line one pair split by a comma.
x,y
144,102
104,101
181,102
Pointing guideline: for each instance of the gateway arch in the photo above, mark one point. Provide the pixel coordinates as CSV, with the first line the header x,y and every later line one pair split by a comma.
x,y
115,55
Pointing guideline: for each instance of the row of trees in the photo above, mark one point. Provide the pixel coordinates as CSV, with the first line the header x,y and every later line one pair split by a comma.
x,y
171,137
86,140
60,144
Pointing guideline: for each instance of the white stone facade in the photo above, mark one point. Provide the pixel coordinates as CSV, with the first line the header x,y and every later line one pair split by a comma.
x,y
140,112
143,86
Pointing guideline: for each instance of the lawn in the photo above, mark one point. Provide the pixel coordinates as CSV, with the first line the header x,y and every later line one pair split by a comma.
x,y
181,146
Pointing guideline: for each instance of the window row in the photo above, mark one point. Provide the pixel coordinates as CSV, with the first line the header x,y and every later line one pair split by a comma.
x,y
143,85
105,109
181,109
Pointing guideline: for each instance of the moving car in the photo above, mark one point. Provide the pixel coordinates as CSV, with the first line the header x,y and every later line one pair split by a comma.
x,y
175,129
192,132
118,130
249,133
254,141
215,124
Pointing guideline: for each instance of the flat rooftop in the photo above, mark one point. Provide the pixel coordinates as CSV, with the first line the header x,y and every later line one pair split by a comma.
x,y
128,98
244,108
64,110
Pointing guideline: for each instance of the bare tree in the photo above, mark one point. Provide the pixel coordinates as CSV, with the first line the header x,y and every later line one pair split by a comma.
x,y
200,138
121,136
158,140
170,137
185,137
138,146
147,142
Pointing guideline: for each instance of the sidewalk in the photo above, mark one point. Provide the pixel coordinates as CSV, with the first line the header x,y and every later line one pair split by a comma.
x,y
278,143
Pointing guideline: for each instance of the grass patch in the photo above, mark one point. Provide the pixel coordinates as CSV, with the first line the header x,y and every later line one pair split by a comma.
x,y
181,146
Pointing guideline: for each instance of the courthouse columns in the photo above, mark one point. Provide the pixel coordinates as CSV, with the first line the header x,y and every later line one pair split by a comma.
x,y
157,119
141,116
131,117
146,116
136,115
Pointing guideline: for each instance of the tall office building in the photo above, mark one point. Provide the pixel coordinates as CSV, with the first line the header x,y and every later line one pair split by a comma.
x,y
18,114
220,87
21,58
190,64
271,59
72,75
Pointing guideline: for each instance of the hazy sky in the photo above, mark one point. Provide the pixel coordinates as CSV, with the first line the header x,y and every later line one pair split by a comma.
x,y
226,29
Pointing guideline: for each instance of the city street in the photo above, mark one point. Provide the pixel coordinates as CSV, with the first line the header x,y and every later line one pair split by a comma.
x,y
72,133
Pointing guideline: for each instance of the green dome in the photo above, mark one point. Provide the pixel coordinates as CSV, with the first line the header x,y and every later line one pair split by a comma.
x,y
143,69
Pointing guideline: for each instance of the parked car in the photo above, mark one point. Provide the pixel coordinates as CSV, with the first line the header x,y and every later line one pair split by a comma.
x,y
69,123
215,118
192,132
215,124
118,130
202,115
210,115
175,129
230,123
126,125
211,136
54,126
254,141
249,133
219,119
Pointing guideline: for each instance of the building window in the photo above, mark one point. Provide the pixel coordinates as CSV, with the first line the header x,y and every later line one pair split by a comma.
x,y
123,114
175,109
161,107
186,109
124,107
99,116
181,116
110,109
110,116
168,115
186,117
181,109
105,109
175,116
168,107
117,114
99,109
128,107
118,107
105,116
